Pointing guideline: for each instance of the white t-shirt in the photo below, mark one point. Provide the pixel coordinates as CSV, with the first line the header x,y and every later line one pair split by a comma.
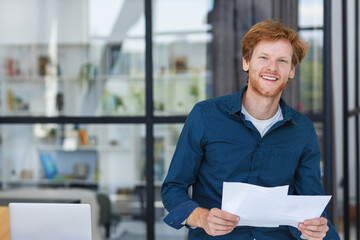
x,y
263,125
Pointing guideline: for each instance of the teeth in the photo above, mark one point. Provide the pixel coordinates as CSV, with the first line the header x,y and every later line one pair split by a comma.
x,y
269,78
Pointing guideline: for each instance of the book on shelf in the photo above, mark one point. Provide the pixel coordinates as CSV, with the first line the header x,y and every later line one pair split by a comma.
x,y
84,139
48,165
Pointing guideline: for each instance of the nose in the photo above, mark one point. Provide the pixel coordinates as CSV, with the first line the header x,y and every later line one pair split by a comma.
x,y
272,65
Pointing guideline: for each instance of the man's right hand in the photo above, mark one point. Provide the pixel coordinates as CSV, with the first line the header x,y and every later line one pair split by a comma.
x,y
215,222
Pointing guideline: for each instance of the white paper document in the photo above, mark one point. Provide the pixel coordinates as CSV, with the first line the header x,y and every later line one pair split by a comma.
x,y
270,207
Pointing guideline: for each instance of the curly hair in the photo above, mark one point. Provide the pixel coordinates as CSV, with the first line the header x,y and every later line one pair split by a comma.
x,y
272,31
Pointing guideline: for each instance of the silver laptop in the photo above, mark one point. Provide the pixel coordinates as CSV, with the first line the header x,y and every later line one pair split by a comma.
x,y
50,221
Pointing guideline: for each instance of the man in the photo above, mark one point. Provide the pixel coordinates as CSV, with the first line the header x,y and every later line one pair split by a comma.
x,y
251,137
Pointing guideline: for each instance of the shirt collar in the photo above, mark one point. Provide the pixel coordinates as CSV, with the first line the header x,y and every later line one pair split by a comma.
x,y
237,105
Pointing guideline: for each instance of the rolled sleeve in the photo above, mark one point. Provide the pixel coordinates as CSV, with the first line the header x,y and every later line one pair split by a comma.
x,y
179,214
183,170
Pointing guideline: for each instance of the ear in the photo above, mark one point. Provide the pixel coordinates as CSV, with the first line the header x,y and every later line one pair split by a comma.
x,y
245,64
292,72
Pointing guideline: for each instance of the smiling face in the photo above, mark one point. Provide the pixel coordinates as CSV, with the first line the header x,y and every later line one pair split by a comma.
x,y
270,67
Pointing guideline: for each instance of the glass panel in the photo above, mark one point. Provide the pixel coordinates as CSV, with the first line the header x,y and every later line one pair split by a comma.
x,y
319,128
311,13
352,177
351,149
339,168
60,159
180,55
311,74
78,58
166,137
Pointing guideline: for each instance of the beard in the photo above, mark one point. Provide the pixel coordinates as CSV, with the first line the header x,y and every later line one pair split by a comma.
x,y
261,88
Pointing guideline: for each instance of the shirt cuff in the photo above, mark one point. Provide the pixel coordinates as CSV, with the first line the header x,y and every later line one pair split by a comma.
x,y
178,215
183,223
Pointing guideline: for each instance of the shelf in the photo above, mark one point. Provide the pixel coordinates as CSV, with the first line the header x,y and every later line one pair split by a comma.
x,y
83,148
37,79
44,44
120,77
32,182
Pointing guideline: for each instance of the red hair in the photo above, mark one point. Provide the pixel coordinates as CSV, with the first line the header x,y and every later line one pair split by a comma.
x,y
272,31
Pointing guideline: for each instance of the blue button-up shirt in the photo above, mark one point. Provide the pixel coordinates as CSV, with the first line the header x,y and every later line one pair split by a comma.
x,y
218,145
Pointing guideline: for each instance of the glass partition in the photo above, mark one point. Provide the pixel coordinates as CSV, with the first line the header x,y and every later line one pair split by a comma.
x,y
311,13
86,58
166,137
78,58
311,22
95,163
181,57
311,73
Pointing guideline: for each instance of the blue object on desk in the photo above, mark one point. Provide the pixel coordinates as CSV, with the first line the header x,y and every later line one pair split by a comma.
x,y
49,166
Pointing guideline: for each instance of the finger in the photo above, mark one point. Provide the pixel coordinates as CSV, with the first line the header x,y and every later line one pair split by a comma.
x,y
318,228
221,223
220,227
313,235
224,215
315,221
214,219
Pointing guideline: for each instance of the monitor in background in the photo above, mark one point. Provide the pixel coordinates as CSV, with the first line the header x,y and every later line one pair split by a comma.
x,y
55,221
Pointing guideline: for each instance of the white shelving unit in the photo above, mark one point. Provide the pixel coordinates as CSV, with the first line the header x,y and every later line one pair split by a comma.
x,y
117,165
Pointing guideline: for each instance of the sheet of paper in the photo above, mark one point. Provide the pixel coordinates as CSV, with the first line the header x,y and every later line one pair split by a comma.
x,y
270,207
236,199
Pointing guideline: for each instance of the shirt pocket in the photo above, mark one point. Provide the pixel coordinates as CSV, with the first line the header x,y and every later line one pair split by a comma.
x,y
279,168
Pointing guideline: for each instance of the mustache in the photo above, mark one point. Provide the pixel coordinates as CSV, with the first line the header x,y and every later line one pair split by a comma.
x,y
273,73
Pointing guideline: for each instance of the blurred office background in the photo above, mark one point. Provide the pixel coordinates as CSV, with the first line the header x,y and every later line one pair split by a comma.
x,y
94,94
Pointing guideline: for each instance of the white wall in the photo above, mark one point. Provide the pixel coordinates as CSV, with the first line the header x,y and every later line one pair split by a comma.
x,y
34,21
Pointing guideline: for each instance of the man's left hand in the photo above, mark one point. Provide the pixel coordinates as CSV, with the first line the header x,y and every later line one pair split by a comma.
x,y
314,229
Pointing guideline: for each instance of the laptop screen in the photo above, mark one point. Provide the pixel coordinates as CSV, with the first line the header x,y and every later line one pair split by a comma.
x,y
55,221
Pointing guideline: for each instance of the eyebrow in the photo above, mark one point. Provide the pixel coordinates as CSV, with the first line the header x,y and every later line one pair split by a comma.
x,y
266,54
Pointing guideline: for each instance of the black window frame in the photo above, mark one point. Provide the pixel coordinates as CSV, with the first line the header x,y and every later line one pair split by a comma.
x,y
149,120
347,115
326,116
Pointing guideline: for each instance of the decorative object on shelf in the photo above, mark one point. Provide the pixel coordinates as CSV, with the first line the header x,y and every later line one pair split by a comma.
x,y
180,64
49,166
43,62
93,140
49,136
112,103
71,140
81,170
60,102
87,76
11,100
84,140
48,68
27,174
16,103
137,92
12,67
